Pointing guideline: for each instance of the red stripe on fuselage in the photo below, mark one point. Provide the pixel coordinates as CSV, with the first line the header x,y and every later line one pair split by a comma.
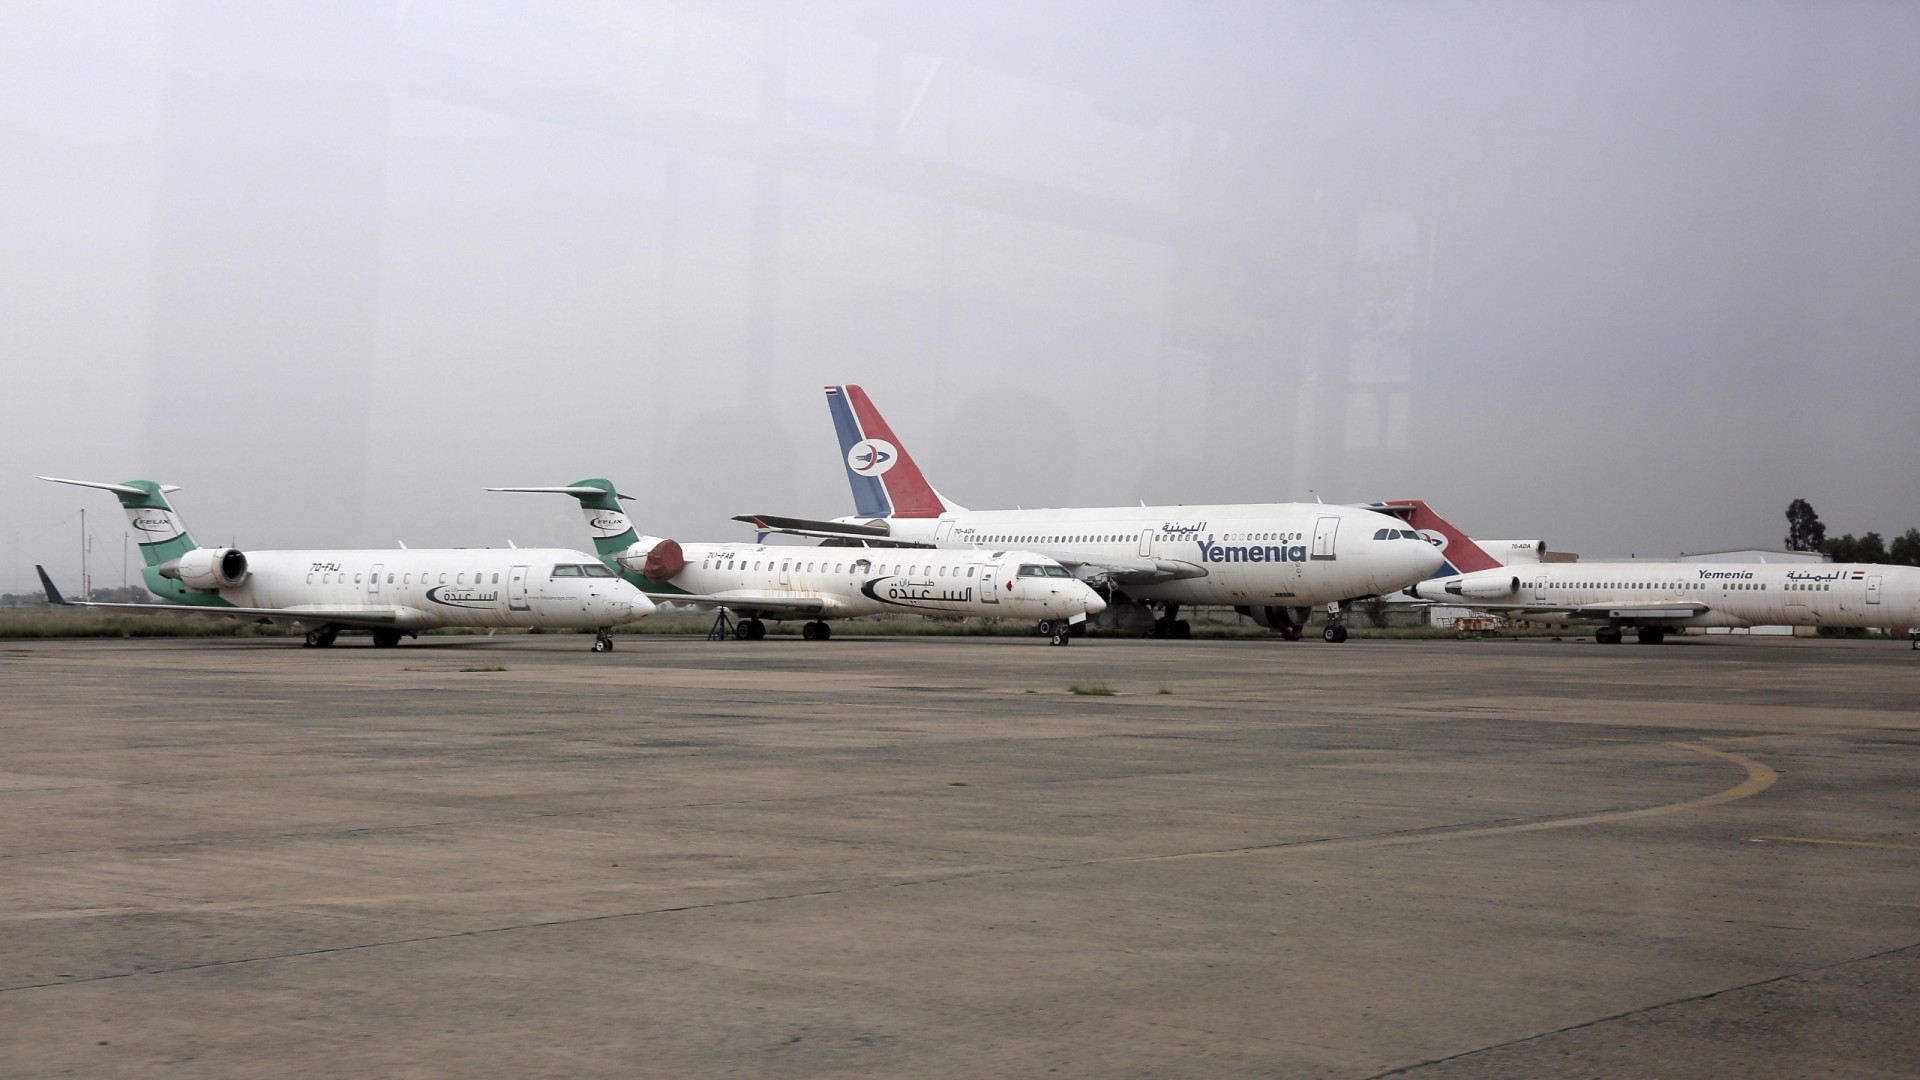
x,y
912,496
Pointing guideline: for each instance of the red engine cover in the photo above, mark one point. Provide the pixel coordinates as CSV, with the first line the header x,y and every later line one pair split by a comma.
x,y
664,561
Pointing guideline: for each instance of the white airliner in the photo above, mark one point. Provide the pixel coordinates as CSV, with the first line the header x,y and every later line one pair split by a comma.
x,y
1272,561
760,582
393,593
1654,597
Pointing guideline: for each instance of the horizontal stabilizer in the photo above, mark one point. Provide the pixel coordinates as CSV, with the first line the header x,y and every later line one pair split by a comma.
x,y
809,527
117,489
576,491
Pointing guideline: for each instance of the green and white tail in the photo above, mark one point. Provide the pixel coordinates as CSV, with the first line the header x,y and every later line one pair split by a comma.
x,y
613,532
163,536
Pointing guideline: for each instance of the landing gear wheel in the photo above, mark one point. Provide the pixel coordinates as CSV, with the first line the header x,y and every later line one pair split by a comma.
x,y
825,632
1046,627
1334,634
603,640
1061,635
1182,630
1607,635
322,637
816,631
749,630
1652,635
386,639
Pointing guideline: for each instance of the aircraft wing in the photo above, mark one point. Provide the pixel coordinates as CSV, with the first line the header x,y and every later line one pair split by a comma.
x,y
1652,609
1128,571
758,603
875,535
350,616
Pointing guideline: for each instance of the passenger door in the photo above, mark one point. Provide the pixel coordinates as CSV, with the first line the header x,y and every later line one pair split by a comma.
x,y
1146,543
517,589
988,594
1873,588
1324,530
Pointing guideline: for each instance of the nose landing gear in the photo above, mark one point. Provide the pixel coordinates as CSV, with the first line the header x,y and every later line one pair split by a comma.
x,y
603,640
1336,631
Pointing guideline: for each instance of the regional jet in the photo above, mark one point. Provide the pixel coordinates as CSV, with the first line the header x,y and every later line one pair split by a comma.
x,y
1273,562
760,582
392,594
1652,598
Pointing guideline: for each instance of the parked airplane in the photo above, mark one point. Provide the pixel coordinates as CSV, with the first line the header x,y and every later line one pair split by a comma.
x,y
760,582
1271,561
1653,597
391,593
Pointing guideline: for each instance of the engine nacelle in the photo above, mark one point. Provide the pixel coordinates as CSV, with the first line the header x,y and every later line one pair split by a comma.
x,y
656,560
208,569
1484,588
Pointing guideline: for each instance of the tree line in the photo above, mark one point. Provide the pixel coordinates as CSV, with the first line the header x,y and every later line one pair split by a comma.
x,y
1805,532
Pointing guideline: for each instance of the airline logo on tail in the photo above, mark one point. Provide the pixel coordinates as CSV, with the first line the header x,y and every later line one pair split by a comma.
x,y
871,457
885,481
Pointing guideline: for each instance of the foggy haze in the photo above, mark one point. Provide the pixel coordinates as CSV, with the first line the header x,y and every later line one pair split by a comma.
x,y
1626,278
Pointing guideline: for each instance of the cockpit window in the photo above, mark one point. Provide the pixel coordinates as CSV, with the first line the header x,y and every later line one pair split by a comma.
x,y
595,569
1382,534
1057,571
1030,570
567,570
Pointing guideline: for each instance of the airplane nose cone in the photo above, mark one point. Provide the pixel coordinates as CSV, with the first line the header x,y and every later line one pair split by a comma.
x,y
640,602
1428,561
1091,601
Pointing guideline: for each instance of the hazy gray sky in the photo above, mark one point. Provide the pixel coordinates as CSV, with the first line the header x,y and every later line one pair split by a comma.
x,y
1624,277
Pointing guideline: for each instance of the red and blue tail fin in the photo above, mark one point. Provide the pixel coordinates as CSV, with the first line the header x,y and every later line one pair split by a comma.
x,y
885,481
1462,554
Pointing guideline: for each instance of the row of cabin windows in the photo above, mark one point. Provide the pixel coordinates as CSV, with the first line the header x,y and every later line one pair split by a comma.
x,y
860,566
482,578
404,579
1119,538
1686,586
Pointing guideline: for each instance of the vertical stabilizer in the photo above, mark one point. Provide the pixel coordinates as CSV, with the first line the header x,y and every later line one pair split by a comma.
x,y
163,536
613,532
884,478
1462,555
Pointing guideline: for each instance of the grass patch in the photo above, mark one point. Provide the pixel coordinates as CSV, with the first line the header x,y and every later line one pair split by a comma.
x,y
1090,689
1164,689
484,667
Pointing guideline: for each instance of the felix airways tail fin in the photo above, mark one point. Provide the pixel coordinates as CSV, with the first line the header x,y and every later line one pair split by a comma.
x,y
885,481
613,533
163,536
1462,554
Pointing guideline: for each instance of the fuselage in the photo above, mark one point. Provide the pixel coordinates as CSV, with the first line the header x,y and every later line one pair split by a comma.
x,y
430,587
850,582
1287,554
1733,594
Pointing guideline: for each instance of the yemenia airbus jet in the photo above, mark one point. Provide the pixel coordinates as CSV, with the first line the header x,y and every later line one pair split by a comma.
x,y
820,583
1654,597
1273,562
391,593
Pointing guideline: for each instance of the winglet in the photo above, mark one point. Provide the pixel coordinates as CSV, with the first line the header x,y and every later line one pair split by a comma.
x,y
53,593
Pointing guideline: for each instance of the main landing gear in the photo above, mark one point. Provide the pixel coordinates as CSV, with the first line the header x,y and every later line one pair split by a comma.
x,y
386,639
1171,625
1607,635
321,637
818,630
1652,635
749,630
603,639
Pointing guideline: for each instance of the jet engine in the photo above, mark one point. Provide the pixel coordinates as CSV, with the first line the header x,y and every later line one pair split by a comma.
x,y
207,569
1484,588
